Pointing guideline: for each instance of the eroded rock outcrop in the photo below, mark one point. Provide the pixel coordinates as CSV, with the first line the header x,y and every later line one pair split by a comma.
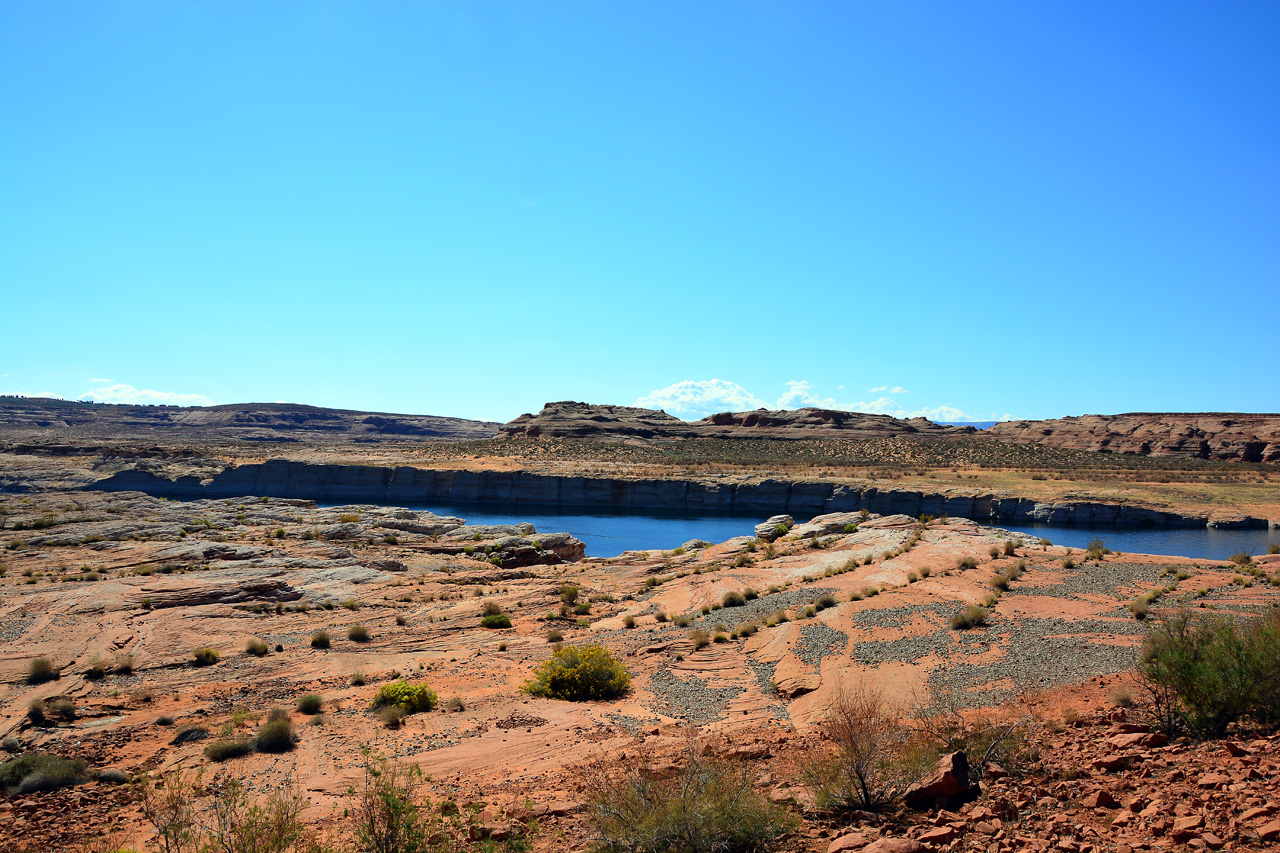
x,y
1210,435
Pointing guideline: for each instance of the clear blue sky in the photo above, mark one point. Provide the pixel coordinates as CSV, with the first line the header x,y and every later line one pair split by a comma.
x,y
964,209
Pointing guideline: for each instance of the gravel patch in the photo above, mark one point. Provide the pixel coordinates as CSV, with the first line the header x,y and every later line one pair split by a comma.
x,y
764,677
1093,579
633,726
12,627
817,641
690,699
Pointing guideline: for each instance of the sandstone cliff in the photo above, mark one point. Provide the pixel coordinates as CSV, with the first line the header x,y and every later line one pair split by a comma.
x,y
354,483
1210,435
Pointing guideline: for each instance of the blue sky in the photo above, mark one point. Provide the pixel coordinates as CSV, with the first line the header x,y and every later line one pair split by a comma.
x,y
959,209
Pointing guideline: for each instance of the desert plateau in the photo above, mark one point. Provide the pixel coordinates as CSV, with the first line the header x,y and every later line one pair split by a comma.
x,y
192,627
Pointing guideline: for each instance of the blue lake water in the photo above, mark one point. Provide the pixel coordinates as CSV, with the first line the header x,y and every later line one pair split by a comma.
x,y
609,533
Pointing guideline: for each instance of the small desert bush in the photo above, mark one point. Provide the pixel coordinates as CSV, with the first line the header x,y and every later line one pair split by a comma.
x,y
967,563
225,749
392,716
35,712
628,621
681,620
205,657
41,670
310,703
496,620
348,518
1010,548
994,551
1243,558
968,617
255,647
710,805
38,771
413,698
999,581
275,735
733,598
1203,672
700,638
824,602
358,634
660,616
554,636
579,674
356,679
320,640
1068,563
866,773
490,608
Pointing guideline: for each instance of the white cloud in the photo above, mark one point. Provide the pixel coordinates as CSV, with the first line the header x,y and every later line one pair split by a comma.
x,y
102,380
877,389
693,399
121,393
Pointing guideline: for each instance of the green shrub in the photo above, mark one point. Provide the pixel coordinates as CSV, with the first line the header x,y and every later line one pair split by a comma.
x,y
320,640
205,657
824,602
356,679
310,703
1202,672
734,599
579,674
496,620
228,748
1243,558
275,735
41,670
35,712
968,617
358,634
413,698
999,581
255,647
38,771
709,806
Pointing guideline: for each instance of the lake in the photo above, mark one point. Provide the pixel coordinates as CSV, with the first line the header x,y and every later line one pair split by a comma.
x,y
608,534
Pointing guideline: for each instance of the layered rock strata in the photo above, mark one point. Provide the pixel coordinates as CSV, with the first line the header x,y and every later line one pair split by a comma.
x,y
406,485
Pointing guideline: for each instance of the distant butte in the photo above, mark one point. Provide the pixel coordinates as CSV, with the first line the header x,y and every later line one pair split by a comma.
x,y
1231,436
568,419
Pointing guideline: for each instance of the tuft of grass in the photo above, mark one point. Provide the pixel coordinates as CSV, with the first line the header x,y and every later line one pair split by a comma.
x,y
205,657
320,640
225,749
41,670
700,638
554,636
275,735
37,771
255,647
310,703
734,599
357,679
968,617
967,563
496,620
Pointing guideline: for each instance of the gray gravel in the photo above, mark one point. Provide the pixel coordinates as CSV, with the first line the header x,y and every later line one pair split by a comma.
x,y
690,699
764,677
817,641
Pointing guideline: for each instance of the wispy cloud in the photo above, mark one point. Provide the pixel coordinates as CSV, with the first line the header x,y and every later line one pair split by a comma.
x,y
121,393
102,380
693,399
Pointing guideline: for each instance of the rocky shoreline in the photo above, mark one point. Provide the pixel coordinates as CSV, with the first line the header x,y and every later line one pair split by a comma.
x,y
282,478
